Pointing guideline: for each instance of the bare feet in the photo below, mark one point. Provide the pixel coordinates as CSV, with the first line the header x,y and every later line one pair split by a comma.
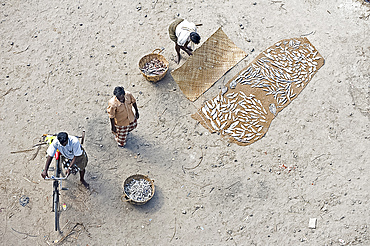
x,y
87,186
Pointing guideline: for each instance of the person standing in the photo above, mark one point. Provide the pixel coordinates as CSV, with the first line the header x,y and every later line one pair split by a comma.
x,y
71,150
182,32
122,118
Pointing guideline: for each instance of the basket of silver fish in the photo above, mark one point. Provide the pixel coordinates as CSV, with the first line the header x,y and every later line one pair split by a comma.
x,y
153,66
138,189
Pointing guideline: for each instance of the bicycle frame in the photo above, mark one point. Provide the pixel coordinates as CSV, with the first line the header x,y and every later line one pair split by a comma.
x,y
57,180
56,183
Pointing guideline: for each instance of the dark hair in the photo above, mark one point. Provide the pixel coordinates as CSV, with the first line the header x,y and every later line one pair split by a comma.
x,y
194,37
62,137
119,91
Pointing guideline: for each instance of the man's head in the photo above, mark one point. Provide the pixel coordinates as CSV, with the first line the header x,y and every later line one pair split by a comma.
x,y
119,92
62,138
194,37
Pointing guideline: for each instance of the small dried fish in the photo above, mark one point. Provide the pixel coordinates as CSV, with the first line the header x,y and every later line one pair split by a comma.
x,y
218,122
223,90
233,84
233,125
204,110
139,190
223,125
154,67
272,108
232,95
214,126
213,112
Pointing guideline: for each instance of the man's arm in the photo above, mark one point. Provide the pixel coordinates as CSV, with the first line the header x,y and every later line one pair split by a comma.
x,y
136,110
186,48
113,125
44,173
112,114
71,165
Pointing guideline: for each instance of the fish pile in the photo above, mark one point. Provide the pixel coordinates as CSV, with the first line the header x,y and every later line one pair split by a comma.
x,y
277,76
139,190
154,67
281,70
236,114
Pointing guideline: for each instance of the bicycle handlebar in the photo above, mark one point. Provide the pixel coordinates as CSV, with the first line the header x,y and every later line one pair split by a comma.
x,y
55,178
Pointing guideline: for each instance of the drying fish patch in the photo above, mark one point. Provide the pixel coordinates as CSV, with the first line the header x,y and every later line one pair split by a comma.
x,y
236,114
244,109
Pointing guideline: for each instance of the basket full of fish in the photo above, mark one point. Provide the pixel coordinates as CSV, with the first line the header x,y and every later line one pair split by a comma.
x,y
138,189
153,66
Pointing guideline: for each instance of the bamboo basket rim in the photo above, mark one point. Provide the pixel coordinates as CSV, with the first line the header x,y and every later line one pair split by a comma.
x,y
137,176
149,57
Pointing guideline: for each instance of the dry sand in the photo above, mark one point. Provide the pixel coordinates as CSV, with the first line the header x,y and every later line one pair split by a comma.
x,y
60,61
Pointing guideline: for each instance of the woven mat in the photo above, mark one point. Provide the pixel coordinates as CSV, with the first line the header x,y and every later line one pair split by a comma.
x,y
207,64
244,109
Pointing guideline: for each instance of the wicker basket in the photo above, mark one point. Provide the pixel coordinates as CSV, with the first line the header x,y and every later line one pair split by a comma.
x,y
137,177
149,57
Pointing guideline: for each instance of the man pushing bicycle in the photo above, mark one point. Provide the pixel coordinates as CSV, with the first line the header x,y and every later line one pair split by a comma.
x,y
73,155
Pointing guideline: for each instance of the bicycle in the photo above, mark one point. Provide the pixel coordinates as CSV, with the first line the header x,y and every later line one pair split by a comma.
x,y
57,180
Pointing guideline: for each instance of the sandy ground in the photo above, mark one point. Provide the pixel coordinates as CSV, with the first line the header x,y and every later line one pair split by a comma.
x,y
60,61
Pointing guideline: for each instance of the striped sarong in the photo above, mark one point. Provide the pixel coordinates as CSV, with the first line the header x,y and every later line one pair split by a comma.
x,y
122,132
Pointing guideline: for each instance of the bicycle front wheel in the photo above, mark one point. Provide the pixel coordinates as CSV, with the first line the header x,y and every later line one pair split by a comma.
x,y
56,209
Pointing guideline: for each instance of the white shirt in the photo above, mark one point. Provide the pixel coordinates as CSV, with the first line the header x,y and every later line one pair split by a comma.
x,y
72,149
183,31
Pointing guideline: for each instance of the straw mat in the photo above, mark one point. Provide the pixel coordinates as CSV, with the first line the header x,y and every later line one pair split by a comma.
x,y
244,109
207,64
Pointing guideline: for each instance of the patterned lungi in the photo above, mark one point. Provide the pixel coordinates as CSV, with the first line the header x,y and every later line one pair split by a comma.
x,y
122,132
